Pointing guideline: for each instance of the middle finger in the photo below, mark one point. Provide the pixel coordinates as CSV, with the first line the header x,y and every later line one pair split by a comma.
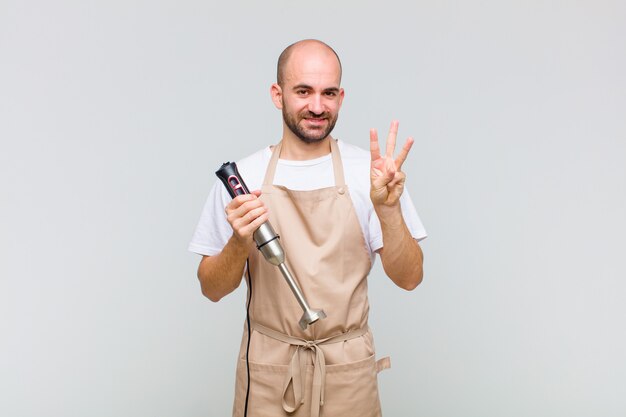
x,y
391,138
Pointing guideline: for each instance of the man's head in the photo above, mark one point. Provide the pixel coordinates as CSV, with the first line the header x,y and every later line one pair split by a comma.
x,y
286,54
308,89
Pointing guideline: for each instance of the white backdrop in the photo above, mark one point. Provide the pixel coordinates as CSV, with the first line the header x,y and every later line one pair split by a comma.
x,y
114,116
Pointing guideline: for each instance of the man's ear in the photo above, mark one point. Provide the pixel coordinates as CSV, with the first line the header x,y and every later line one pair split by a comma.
x,y
341,95
277,95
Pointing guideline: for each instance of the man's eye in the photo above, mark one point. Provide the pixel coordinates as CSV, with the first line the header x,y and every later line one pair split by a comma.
x,y
331,93
301,92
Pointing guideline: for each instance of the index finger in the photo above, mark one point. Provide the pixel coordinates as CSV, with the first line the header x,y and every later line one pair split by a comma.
x,y
243,198
374,146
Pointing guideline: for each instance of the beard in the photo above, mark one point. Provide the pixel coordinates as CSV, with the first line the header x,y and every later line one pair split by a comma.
x,y
309,135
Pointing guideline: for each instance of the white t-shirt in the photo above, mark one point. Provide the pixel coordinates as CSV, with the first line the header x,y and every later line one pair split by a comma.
x,y
213,230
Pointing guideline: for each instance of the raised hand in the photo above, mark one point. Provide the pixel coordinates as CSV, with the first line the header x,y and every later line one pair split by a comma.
x,y
386,177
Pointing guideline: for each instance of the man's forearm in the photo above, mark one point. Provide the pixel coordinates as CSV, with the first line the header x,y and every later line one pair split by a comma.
x,y
401,255
221,274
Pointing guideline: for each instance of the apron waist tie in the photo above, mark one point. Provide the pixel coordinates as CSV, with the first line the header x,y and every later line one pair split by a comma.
x,y
296,373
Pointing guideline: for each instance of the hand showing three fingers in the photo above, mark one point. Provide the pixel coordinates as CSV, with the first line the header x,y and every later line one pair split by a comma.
x,y
386,177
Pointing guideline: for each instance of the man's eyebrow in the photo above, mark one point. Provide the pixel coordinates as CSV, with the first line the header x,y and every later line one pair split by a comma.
x,y
308,87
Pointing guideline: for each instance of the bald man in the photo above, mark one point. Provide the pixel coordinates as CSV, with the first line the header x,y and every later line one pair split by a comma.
x,y
334,206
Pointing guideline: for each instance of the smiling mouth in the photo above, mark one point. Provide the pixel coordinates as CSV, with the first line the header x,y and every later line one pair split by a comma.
x,y
315,120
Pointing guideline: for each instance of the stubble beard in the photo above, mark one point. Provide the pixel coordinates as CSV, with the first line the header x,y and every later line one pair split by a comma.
x,y
310,136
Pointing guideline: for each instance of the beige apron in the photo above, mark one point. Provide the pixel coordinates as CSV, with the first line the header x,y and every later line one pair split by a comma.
x,y
328,370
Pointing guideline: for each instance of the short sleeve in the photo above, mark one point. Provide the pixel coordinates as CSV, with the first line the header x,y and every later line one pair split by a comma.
x,y
213,230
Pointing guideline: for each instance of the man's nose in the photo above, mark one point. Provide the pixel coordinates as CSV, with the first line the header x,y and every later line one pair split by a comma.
x,y
315,104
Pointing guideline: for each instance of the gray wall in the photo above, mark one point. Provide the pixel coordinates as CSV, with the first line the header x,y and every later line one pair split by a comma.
x,y
114,115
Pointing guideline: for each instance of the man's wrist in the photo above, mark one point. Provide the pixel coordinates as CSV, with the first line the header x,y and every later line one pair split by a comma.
x,y
239,246
390,216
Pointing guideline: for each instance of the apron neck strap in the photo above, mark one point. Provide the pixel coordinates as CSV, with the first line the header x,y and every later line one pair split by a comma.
x,y
334,152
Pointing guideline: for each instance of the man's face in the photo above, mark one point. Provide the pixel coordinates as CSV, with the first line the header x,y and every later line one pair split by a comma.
x,y
311,96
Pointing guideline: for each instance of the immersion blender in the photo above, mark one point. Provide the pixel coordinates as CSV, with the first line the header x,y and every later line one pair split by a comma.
x,y
268,242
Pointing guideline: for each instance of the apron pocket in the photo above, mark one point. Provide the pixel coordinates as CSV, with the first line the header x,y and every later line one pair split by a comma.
x,y
352,389
266,385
